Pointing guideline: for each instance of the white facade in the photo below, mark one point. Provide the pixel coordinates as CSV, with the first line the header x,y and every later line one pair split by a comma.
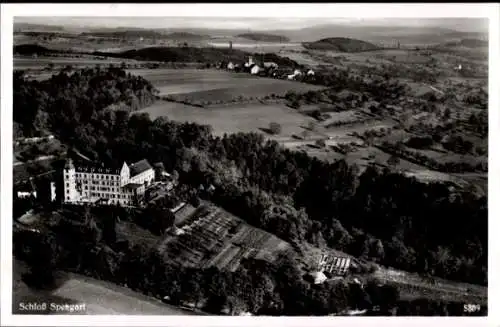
x,y
255,70
24,195
89,184
52,191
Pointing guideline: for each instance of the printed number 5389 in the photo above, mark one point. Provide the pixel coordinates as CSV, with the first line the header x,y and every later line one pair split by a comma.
x,y
472,308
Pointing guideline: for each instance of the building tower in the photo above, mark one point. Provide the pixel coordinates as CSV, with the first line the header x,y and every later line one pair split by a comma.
x,y
70,192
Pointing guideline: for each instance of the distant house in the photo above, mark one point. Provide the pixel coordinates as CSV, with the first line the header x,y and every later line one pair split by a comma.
x,y
295,74
230,66
334,264
459,67
255,69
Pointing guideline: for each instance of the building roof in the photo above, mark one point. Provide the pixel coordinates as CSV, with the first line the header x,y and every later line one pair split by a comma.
x,y
159,165
132,186
139,167
318,277
90,168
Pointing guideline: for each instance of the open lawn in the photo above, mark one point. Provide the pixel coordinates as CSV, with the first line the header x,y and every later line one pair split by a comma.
x,y
234,118
99,297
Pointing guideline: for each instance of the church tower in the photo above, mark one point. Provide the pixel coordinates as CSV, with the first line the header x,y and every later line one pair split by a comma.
x,y
70,192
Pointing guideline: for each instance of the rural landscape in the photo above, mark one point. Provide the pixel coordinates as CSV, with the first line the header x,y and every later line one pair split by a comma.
x,y
330,170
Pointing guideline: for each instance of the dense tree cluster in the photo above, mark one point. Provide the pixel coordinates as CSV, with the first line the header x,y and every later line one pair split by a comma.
x,y
73,100
405,224
337,96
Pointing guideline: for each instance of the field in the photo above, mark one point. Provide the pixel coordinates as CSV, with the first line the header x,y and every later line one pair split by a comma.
x,y
413,286
234,118
99,297
203,85
445,156
219,239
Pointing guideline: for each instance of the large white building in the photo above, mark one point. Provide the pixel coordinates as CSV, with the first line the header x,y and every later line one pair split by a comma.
x,y
84,184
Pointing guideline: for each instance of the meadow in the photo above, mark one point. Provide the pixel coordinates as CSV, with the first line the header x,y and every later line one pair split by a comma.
x,y
99,297
234,118
210,85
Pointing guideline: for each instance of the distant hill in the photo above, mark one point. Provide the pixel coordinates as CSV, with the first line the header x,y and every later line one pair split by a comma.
x,y
263,37
340,44
26,27
125,34
468,43
32,49
186,36
193,54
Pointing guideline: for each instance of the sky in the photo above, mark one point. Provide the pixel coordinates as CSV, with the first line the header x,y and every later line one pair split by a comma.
x,y
185,22
241,22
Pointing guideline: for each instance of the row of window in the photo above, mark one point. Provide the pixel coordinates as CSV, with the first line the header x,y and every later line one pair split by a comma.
x,y
110,196
102,188
96,181
98,176
113,201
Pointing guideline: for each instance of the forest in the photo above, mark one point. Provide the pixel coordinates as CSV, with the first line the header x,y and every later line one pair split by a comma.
x,y
377,215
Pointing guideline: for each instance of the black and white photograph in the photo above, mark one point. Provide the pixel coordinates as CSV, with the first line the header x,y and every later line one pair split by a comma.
x,y
247,166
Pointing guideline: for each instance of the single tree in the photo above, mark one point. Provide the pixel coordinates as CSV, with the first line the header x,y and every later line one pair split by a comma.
x,y
275,128
393,160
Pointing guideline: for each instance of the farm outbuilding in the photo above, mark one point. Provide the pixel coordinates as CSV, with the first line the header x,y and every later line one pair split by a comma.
x,y
255,69
334,264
